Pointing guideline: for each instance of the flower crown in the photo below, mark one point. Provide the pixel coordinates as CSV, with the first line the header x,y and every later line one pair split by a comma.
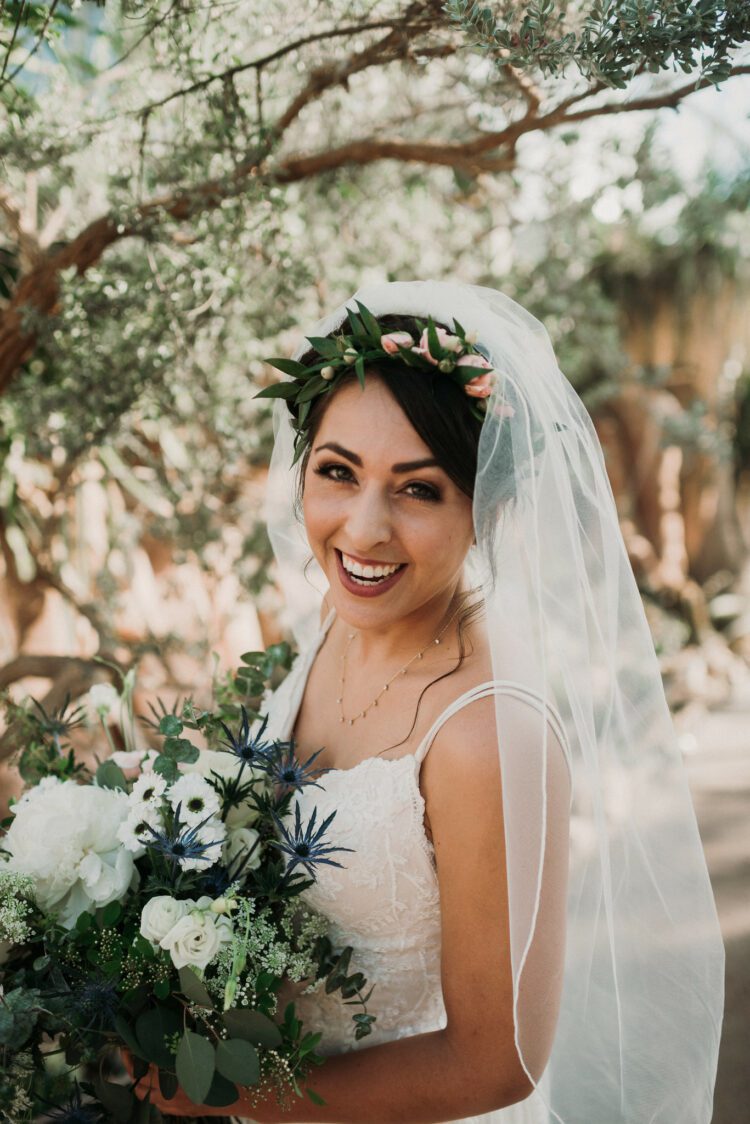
x,y
453,354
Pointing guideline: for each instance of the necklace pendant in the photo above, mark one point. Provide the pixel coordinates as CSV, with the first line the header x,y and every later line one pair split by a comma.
x,y
351,721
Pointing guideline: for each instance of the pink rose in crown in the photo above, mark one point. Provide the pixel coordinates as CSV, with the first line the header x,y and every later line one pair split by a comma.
x,y
445,339
392,341
481,386
474,361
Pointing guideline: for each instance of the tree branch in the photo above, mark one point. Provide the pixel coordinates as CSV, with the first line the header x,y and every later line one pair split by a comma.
x,y
38,291
265,60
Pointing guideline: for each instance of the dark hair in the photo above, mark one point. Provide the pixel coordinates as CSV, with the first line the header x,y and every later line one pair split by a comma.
x,y
441,414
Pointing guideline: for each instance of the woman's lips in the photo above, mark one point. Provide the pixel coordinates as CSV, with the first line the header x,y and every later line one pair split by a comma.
x,y
366,590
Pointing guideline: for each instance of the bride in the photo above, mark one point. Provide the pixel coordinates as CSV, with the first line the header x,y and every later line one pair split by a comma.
x,y
525,886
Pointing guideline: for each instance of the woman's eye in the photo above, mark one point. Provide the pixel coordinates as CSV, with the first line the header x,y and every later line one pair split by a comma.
x,y
329,469
428,493
424,491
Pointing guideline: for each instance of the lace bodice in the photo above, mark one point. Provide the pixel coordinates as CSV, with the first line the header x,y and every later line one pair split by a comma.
x,y
385,900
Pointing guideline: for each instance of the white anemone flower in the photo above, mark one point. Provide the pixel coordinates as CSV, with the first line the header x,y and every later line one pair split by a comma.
x,y
196,798
148,789
135,833
213,833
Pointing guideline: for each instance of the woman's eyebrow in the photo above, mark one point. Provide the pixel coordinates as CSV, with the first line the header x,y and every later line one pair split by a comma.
x,y
402,466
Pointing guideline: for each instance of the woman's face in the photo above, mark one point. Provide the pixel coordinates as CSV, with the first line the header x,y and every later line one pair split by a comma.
x,y
374,495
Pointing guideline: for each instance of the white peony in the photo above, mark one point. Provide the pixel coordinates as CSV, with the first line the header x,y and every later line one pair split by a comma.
x,y
161,914
34,793
197,937
242,841
64,836
227,765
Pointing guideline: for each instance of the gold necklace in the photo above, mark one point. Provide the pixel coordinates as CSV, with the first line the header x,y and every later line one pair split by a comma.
x,y
401,671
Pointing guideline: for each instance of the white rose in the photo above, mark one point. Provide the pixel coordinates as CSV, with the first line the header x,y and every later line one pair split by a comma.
x,y
65,838
227,765
196,939
161,914
242,840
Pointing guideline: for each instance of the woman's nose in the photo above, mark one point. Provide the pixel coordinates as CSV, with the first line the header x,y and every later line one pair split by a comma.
x,y
368,520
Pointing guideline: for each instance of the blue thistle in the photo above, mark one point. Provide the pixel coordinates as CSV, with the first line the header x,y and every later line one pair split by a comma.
x,y
289,772
75,1110
97,999
180,843
250,750
62,720
305,847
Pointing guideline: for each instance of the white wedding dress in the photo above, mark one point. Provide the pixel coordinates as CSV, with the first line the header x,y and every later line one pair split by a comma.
x,y
385,902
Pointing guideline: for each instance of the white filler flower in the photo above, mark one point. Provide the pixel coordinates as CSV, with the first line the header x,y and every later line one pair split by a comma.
x,y
104,700
196,798
197,937
65,838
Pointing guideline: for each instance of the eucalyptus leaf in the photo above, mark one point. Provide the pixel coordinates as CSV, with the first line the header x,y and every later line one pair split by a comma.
x,y
110,775
238,1061
168,1084
166,768
170,725
252,1026
152,1028
196,1065
222,1092
127,1034
194,988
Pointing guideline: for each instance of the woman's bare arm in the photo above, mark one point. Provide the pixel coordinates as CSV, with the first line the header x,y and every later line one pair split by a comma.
x,y
470,1067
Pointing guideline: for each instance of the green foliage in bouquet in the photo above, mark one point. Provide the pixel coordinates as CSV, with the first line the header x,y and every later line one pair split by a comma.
x,y
156,905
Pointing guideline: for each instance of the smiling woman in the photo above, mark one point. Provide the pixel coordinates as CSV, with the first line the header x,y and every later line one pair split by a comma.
x,y
524,882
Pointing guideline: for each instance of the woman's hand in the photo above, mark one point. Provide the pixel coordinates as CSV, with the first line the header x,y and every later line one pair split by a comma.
x,y
180,1104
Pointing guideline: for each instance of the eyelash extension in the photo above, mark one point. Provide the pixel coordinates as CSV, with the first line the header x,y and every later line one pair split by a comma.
x,y
431,496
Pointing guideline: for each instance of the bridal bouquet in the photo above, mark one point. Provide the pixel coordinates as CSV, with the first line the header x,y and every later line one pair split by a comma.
x,y
155,905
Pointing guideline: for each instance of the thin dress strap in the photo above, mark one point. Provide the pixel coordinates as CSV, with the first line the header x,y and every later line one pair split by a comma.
x,y
505,687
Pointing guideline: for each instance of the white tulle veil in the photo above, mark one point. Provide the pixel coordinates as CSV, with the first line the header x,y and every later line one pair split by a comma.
x,y
629,942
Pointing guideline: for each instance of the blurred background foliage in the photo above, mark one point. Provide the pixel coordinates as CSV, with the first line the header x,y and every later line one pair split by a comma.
x,y
187,186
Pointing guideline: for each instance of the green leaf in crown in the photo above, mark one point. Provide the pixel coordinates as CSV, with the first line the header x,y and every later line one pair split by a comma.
x,y
366,343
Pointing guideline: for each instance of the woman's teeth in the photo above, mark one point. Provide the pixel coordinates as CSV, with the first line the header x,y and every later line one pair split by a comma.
x,y
367,575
